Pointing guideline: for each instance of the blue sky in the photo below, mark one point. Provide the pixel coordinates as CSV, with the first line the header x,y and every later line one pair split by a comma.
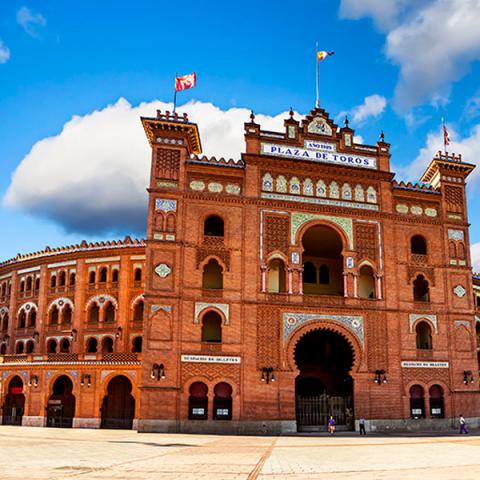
x,y
63,58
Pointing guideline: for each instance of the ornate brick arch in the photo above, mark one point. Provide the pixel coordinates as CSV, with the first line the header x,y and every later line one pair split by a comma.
x,y
28,306
101,301
330,326
136,300
60,303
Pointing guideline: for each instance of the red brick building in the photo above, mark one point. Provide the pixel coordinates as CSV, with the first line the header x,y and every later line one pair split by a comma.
x,y
297,282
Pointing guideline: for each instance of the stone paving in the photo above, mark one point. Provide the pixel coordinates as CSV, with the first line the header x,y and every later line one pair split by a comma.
x,y
42,453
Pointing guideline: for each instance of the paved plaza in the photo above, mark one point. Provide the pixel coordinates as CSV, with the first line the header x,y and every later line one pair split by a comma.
x,y
41,453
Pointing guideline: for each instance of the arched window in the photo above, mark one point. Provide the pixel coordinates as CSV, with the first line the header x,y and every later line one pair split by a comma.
x,y
94,314
3,349
212,327
52,346
92,345
22,319
276,276
171,223
91,277
436,401
62,279
138,275
110,313
452,249
32,318
72,279
309,273
107,345
19,347
53,280
198,401
67,315
37,283
54,314
421,290
29,347
103,275
418,245
212,275
65,345
137,345
324,274
222,401
5,323
138,311
462,254
115,275
423,336
214,226
366,282
417,401
29,284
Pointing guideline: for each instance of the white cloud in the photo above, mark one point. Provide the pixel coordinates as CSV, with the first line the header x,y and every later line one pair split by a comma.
x,y
30,21
468,146
4,53
92,176
432,41
372,106
475,251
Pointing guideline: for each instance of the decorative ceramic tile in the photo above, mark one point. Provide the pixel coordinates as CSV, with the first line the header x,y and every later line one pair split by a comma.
x,y
281,184
197,185
431,212
333,190
359,194
416,210
401,208
232,189
163,270
371,195
201,306
215,187
321,190
299,219
464,323
292,321
346,192
413,317
456,234
307,187
267,183
459,291
350,262
295,258
294,186
164,308
165,205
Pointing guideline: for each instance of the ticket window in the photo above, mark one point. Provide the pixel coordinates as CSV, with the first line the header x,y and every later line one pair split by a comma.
x,y
417,402
222,402
437,409
198,401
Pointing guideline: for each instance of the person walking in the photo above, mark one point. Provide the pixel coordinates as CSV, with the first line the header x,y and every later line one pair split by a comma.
x,y
463,424
361,424
331,425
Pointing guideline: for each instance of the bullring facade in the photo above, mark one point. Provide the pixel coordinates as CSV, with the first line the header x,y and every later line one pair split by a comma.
x,y
297,282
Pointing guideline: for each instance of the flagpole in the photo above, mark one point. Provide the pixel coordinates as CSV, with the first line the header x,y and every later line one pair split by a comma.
x,y
444,139
317,103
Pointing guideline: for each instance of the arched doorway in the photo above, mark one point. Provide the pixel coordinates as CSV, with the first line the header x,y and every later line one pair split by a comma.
x,y
118,406
322,261
324,386
14,404
61,404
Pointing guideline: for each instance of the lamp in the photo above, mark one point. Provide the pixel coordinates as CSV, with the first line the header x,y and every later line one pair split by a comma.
x,y
380,377
268,375
73,335
158,372
467,376
86,379
33,381
118,333
36,336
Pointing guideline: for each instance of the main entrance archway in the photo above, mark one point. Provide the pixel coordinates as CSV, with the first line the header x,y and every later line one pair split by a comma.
x,y
118,407
324,386
14,402
61,404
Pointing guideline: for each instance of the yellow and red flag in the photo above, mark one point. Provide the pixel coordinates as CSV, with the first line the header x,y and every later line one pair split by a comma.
x,y
323,55
185,82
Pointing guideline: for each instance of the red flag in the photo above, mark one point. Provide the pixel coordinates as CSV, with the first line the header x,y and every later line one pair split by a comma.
x,y
446,137
185,82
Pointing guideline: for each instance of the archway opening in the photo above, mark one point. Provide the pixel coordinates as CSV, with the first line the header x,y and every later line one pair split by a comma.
x,y
222,401
276,276
198,401
14,404
417,402
118,406
437,408
324,386
61,404
366,282
322,261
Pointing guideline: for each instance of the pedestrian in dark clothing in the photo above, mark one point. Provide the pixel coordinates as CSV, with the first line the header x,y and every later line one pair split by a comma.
x,y
463,424
361,423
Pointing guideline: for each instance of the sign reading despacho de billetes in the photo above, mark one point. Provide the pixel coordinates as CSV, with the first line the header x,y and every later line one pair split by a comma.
x,y
319,155
209,359
413,364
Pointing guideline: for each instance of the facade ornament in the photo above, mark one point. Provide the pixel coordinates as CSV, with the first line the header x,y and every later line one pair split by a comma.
x,y
163,270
